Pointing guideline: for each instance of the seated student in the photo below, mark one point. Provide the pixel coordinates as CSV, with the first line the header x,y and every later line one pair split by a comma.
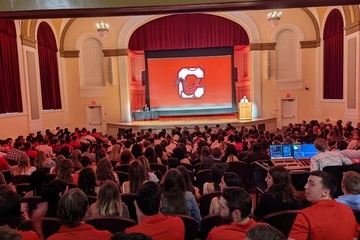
x,y
73,206
326,218
264,232
229,179
217,172
325,157
280,195
151,222
10,212
351,188
235,204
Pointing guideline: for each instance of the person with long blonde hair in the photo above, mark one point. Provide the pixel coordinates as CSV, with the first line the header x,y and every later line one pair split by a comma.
x,y
108,202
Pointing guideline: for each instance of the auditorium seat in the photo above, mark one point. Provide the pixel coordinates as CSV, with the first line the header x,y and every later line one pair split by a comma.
x,y
123,176
209,222
191,226
32,203
202,177
299,179
111,223
91,199
282,220
188,166
122,168
158,167
241,169
7,175
23,188
128,199
50,226
19,179
205,202
50,177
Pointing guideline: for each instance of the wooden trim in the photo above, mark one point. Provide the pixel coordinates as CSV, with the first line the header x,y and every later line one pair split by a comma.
x,y
115,52
70,54
355,27
26,41
310,44
262,46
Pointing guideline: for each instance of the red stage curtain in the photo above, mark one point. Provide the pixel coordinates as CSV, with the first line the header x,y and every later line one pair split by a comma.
x,y
333,56
49,73
188,31
10,97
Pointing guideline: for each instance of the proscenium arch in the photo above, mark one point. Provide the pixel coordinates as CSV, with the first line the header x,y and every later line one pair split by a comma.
x,y
239,17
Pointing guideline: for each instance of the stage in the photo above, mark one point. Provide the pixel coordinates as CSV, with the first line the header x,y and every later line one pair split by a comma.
x,y
168,123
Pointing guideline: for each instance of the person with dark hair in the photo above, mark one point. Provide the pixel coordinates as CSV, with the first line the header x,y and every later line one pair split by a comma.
x,y
137,177
137,150
130,236
188,184
325,218
264,232
207,161
37,180
231,154
73,206
256,153
87,181
104,171
235,204
176,199
151,222
125,157
10,213
229,179
217,172
280,195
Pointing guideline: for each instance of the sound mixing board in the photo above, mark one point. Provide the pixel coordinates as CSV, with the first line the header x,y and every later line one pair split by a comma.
x,y
292,164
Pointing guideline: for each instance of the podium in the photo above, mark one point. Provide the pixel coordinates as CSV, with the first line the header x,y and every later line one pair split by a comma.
x,y
245,110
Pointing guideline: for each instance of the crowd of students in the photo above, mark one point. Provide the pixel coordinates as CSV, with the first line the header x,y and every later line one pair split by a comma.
x,y
88,162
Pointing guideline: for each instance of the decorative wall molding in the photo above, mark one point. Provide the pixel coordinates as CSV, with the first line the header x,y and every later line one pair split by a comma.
x,y
70,54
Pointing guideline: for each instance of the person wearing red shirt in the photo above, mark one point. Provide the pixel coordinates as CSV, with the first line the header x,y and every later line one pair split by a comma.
x,y
151,222
326,218
29,151
72,208
4,165
235,204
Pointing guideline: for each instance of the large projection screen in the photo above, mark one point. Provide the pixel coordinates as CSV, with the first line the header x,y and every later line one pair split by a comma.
x,y
191,81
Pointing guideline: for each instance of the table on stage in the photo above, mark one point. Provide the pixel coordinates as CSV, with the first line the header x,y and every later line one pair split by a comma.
x,y
145,115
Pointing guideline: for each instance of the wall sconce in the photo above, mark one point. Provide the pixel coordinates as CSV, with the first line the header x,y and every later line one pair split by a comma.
x,y
102,28
274,17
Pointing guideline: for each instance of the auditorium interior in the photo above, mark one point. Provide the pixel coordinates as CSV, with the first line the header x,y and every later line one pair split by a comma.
x,y
102,80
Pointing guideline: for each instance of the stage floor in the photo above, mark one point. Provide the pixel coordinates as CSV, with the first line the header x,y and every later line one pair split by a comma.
x,y
168,123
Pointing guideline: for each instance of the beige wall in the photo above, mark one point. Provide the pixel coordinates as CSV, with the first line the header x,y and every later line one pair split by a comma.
x,y
73,114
